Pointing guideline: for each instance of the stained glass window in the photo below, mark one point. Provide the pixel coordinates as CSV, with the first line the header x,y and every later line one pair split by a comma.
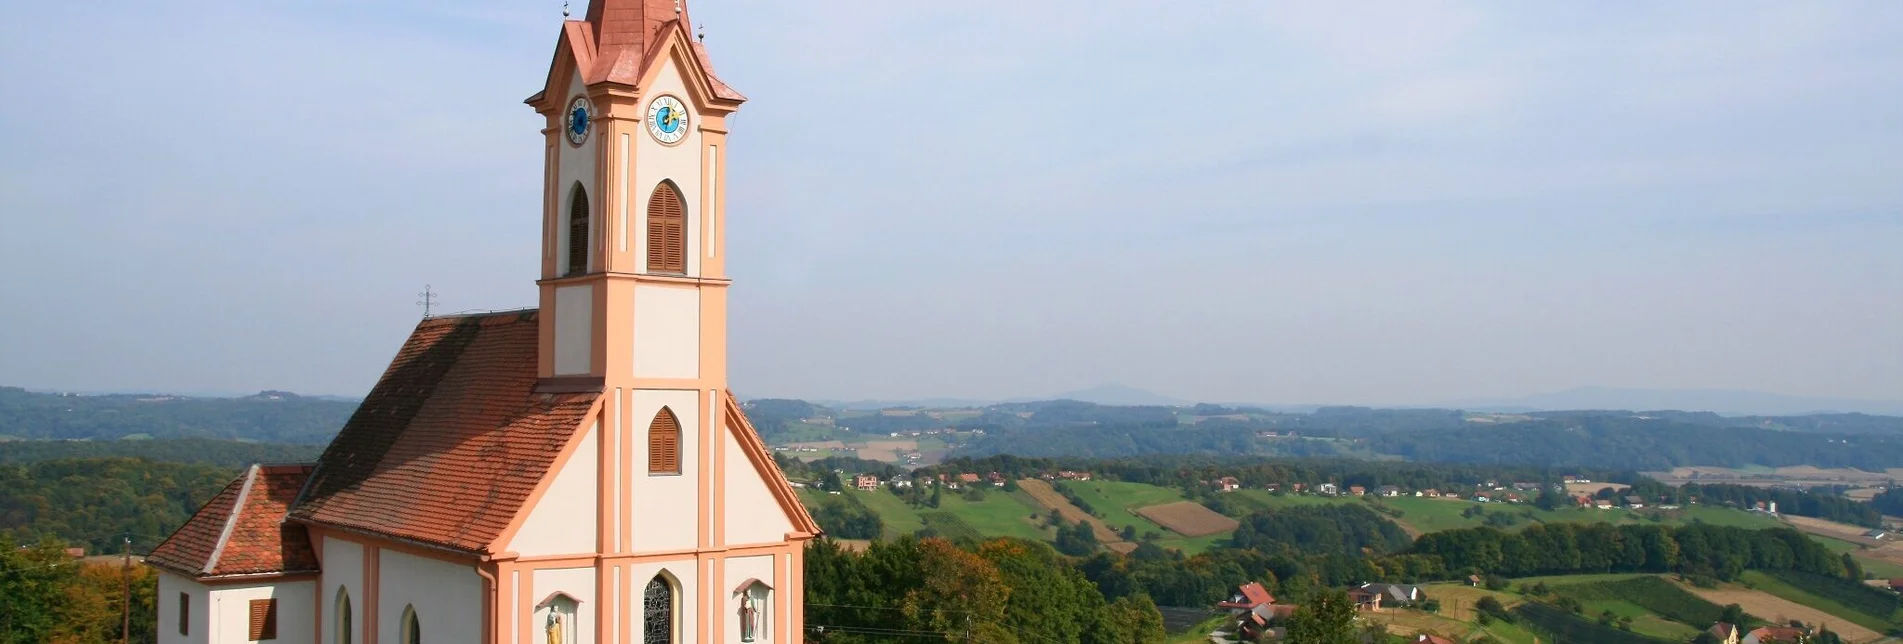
x,y
657,613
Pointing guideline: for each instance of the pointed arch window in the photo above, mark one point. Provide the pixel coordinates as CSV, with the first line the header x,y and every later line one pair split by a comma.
x,y
667,230
412,629
578,231
341,630
657,612
664,443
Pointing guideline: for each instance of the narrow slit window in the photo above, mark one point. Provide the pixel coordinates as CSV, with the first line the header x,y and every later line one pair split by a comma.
x,y
264,619
578,232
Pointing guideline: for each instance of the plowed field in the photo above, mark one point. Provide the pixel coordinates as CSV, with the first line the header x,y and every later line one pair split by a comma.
x,y
1778,609
1188,518
1050,499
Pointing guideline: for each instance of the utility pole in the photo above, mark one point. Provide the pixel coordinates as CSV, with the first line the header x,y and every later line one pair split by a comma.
x,y
125,607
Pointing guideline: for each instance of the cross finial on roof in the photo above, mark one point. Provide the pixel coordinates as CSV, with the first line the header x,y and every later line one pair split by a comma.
x,y
677,7
564,9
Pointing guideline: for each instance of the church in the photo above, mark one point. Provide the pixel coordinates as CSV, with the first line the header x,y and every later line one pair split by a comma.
x,y
575,473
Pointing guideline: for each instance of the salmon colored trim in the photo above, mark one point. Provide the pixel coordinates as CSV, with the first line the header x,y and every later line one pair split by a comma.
x,y
523,595
796,570
575,439
368,540
780,601
653,279
622,615
718,476
718,614
673,44
607,445
579,43
372,592
756,451
624,506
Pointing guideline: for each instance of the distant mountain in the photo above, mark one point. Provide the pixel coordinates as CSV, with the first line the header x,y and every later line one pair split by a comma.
x,y
1731,402
1116,394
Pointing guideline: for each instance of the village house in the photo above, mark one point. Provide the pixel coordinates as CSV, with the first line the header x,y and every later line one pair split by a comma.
x,y
1726,633
1769,634
1328,489
866,482
1228,484
1634,502
1389,490
1365,600
1395,595
968,477
1356,490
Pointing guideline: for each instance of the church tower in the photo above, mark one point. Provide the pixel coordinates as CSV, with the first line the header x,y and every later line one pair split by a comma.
x,y
577,473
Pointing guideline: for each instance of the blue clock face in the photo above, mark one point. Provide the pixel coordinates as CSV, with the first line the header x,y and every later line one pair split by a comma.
x,y
578,118
667,120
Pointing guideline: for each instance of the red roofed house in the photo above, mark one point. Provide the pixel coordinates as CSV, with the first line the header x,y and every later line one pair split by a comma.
x,y
578,472
1247,597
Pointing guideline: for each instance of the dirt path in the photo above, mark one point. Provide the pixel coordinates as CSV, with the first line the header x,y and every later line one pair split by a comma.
x,y
1051,500
1778,609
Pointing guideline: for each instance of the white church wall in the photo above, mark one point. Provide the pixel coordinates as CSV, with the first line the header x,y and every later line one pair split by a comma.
x,y
343,568
447,598
686,577
574,329
578,583
563,521
170,587
738,571
231,611
680,162
751,515
666,332
665,508
574,164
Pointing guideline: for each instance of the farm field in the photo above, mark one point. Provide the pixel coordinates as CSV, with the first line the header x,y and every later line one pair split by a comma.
x,y
1771,607
1000,514
1047,497
1783,590
1188,519
1117,502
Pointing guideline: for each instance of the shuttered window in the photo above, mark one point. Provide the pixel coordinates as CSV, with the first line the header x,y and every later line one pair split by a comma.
x,y
578,232
664,443
184,614
667,231
264,619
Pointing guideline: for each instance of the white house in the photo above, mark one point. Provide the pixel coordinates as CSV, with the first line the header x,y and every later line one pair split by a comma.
x,y
576,473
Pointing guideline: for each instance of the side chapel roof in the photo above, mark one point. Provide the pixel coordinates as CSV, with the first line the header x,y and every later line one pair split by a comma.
x,y
452,440
241,531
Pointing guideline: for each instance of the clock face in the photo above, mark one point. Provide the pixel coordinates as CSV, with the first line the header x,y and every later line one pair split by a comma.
x,y
577,120
667,120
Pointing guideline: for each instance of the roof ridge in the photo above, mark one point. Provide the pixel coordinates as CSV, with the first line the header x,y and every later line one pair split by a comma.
x,y
231,520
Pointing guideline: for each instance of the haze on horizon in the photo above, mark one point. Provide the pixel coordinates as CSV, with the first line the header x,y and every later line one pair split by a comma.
x,y
1388,203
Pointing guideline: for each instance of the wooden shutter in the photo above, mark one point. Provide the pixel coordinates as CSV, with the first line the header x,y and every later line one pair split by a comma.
x,y
664,443
578,233
184,614
264,619
667,231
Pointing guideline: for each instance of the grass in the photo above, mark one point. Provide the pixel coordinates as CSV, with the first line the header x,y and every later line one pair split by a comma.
x,y
998,515
1878,567
1760,581
1644,622
1113,501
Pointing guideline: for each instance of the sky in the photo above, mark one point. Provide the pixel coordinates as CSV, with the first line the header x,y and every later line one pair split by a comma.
x,y
1352,203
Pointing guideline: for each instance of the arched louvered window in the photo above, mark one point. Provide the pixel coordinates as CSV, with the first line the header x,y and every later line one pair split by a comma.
x,y
657,612
667,230
578,232
664,443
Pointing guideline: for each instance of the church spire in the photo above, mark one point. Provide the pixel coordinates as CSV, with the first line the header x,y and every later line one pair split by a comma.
x,y
631,24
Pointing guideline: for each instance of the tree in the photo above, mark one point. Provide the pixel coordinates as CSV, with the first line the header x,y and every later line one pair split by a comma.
x,y
1327,618
1733,615
961,594
1705,637
1132,620
937,491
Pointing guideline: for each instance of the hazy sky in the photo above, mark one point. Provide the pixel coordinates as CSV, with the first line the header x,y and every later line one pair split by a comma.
x,y
1372,202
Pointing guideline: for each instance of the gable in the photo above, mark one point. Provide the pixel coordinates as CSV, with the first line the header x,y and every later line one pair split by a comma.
x,y
564,518
761,506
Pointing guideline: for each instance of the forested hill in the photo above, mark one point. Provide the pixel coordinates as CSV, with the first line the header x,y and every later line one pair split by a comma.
x,y
196,451
1614,439
272,417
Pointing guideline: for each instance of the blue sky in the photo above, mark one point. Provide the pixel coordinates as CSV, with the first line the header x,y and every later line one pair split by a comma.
x,y
1376,203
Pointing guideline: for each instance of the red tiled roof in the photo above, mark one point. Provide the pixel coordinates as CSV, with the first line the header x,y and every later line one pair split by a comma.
x,y
1253,595
448,446
626,35
242,530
